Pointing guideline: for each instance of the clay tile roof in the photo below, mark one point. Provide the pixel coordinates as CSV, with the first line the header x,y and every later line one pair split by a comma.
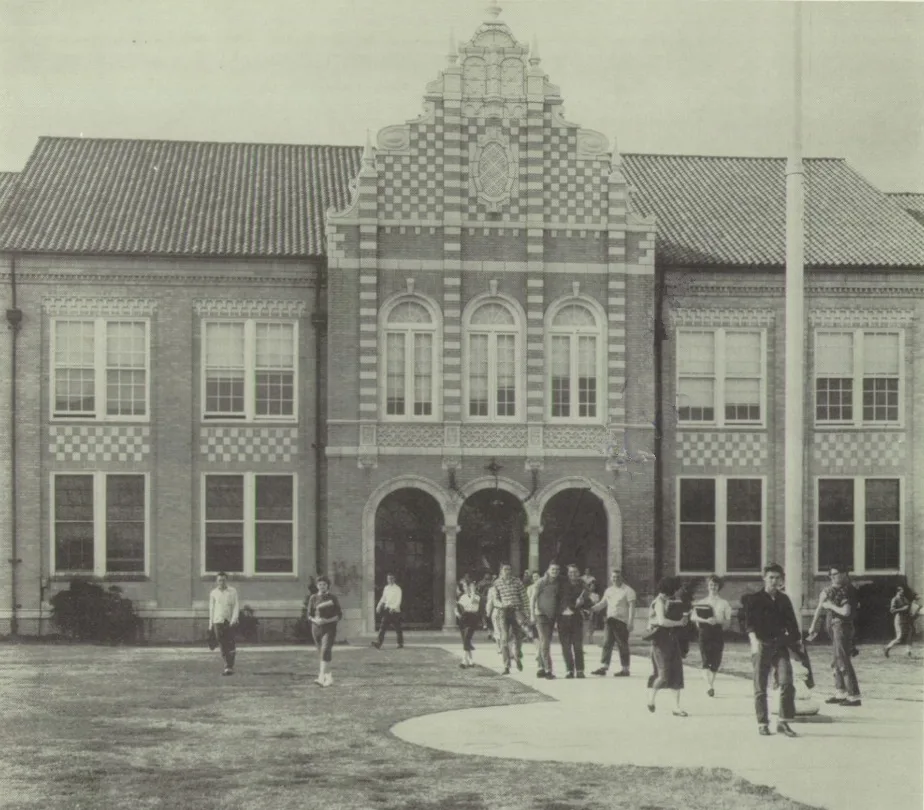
x,y
7,184
912,202
98,196
732,211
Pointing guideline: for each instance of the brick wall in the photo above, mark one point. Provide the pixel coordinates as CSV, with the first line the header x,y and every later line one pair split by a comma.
x,y
173,460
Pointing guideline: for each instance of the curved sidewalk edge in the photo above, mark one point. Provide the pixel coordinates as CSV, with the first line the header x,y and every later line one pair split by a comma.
x,y
866,757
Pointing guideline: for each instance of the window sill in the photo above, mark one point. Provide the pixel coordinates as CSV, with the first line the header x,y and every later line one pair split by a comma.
x,y
733,575
226,422
681,426
93,420
100,577
834,427
252,577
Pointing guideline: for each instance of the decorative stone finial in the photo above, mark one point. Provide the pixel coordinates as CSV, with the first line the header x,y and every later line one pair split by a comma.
x,y
493,10
616,160
368,159
534,57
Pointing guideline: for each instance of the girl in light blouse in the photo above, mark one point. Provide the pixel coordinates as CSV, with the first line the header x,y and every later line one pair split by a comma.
x,y
468,611
712,616
665,619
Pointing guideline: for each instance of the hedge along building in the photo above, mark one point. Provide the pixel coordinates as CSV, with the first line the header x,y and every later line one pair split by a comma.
x,y
501,309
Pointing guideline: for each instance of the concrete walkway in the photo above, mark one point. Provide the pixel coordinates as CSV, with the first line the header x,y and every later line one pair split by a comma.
x,y
869,757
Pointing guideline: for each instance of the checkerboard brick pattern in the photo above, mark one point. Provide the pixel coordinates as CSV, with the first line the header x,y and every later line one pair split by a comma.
x,y
858,451
248,445
99,443
575,190
410,185
702,449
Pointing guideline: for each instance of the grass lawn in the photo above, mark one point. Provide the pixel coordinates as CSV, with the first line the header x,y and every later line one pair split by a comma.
x,y
99,727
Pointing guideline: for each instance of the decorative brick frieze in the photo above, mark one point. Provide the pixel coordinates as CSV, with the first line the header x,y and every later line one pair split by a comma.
x,y
236,308
99,306
688,316
705,450
860,318
858,452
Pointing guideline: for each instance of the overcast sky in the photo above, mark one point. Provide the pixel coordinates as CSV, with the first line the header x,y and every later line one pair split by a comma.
x,y
666,76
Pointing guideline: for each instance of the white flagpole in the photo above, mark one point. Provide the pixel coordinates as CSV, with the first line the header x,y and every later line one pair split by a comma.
x,y
795,338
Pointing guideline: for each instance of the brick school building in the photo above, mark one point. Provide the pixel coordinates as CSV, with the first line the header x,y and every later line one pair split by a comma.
x,y
484,336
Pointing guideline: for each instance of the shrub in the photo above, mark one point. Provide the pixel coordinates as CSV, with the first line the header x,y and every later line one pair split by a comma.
x,y
247,623
88,612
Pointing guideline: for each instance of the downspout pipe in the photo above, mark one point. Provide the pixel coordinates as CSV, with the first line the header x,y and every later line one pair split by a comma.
x,y
319,322
14,322
660,335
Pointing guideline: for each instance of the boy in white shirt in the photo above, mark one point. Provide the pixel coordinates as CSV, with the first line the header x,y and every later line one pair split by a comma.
x,y
389,607
223,617
619,600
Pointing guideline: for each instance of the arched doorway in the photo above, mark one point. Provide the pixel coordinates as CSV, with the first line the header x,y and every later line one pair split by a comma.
x,y
409,543
492,530
575,530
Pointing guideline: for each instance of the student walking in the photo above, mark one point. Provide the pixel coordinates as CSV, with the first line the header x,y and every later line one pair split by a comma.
x,y
840,601
619,602
224,611
324,612
510,611
666,620
389,608
530,590
712,616
573,599
904,609
544,607
468,610
772,627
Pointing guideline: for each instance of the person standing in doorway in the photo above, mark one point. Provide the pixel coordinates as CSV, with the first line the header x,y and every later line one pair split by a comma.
x,y
324,612
619,602
772,627
544,607
389,608
573,600
224,610
840,601
712,616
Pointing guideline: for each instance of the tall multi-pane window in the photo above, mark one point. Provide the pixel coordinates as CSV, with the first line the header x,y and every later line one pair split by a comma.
x,y
100,523
493,366
858,377
101,368
720,524
860,523
249,524
410,360
721,376
575,366
249,370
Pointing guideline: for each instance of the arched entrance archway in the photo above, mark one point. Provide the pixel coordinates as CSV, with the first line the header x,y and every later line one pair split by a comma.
x,y
492,531
409,543
575,529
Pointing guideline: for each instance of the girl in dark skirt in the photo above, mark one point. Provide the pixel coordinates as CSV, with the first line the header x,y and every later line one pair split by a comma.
x,y
468,611
665,619
711,616
324,612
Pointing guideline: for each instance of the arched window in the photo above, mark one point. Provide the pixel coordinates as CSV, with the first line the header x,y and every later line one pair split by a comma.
x,y
409,360
575,362
493,346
